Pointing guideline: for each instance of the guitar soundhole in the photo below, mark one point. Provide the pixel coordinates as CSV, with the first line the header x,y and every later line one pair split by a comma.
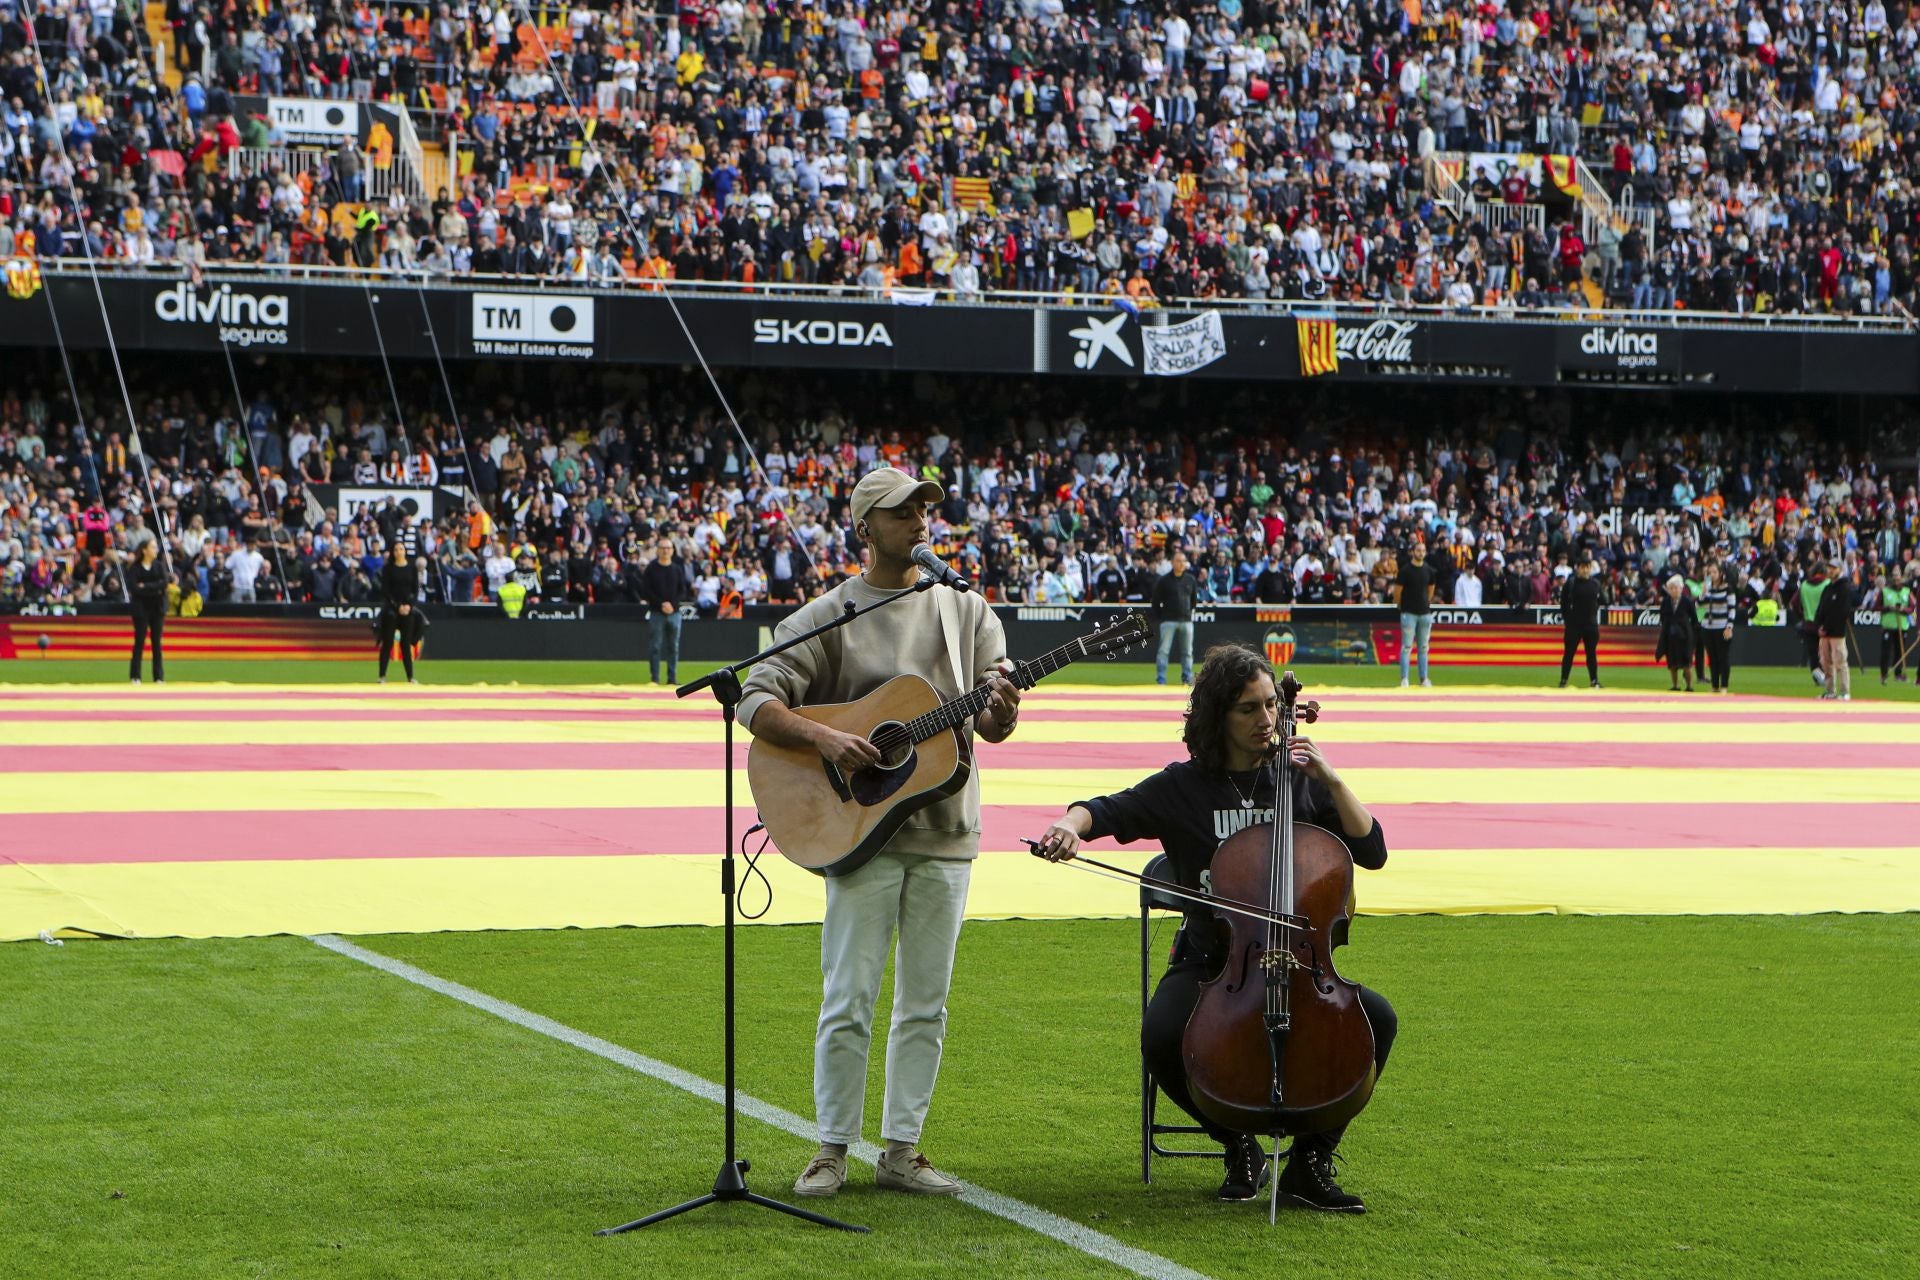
x,y
901,753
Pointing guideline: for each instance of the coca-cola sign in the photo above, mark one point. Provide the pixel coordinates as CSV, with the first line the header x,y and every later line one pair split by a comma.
x,y
1384,341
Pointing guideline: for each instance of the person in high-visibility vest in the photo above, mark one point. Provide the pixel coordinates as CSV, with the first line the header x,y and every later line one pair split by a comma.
x,y
1808,598
513,597
366,227
479,526
1896,604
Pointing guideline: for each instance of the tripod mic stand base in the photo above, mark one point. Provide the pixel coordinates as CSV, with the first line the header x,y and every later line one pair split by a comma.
x,y
730,1184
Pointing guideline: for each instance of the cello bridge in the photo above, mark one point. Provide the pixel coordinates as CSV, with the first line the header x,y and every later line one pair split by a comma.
x,y
1276,962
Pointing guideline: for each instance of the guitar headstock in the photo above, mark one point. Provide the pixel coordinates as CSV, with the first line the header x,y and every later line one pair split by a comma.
x,y
1116,638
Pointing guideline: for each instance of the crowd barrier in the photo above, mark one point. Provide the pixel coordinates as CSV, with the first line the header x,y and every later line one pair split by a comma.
x,y
1335,634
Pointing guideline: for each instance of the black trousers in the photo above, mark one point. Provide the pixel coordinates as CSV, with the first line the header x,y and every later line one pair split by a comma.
x,y
1719,658
1893,652
1590,636
146,622
1810,645
394,628
1699,651
1166,1024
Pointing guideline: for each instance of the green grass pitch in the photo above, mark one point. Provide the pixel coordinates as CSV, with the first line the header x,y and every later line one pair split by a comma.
x,y
1569,1097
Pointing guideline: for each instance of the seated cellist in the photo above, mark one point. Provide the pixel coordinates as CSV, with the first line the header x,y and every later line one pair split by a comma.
x,y
1226,784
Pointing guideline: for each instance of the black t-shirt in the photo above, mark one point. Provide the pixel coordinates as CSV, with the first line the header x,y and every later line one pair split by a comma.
x,y
1580,603
1190,810
1416,587
1173,596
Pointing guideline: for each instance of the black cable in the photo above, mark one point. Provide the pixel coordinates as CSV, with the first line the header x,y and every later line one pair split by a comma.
x,y
753,869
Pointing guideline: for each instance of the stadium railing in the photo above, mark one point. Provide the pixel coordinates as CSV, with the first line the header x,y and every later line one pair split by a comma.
x,y
1567,314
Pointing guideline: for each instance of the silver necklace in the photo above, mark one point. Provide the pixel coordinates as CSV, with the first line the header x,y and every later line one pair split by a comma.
x,y
1246,797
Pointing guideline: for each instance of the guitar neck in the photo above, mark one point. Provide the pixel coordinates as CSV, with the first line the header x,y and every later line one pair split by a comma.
x,y
1025,675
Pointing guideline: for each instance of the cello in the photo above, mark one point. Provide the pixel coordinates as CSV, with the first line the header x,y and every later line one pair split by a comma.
x,y
1279,1043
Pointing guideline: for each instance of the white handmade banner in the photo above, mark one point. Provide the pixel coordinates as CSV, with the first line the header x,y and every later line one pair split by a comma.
x,y
1181,348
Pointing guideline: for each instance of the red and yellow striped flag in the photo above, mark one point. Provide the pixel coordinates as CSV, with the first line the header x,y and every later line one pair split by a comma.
x,y
1563,173
972,193
1319,350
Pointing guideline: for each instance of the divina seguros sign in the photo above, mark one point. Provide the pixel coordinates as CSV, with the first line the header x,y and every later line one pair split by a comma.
x,y
244,318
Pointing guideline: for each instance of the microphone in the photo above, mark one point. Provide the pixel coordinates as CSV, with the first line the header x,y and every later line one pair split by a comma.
x,y
923,555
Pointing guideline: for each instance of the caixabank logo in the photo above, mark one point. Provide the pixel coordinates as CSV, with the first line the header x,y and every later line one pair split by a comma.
x,y
241,317
533,324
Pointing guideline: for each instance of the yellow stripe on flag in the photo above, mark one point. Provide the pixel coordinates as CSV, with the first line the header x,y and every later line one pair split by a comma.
x,y
972,193
346,790
1319,347
392,895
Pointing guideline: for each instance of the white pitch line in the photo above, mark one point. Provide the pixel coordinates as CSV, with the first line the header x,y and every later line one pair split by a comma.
x,y
1052,1225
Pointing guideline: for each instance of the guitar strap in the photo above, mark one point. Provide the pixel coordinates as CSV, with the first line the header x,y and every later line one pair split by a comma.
x,y
950,623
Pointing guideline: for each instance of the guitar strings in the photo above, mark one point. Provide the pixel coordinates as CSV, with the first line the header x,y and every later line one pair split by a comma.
x,y
949,714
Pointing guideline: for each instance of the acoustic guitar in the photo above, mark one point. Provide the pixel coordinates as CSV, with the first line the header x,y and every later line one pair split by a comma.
x,y
833,822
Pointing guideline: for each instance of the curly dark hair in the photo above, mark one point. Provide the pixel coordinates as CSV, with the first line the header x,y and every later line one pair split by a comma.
x,y
1224,672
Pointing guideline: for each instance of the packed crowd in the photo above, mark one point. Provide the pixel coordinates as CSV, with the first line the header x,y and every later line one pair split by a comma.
x,y
1224,148
1052,497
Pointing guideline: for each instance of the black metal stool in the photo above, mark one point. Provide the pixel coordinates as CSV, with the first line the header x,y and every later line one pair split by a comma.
x,y
1152,899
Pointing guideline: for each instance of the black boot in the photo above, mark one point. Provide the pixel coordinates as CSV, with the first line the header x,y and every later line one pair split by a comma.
x,y
1308,1178
1247,1169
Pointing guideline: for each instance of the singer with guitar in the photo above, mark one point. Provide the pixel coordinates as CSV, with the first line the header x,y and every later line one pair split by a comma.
x,y
917,882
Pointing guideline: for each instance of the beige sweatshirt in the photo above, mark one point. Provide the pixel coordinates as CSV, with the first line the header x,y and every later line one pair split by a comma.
x,y
853,661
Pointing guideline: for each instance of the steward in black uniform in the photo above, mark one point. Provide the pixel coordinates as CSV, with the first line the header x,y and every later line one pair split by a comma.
x,y
147,585
1190,807
400,618
1580,601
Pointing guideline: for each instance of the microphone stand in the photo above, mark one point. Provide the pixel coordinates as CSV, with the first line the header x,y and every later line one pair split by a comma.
x,y
731,1183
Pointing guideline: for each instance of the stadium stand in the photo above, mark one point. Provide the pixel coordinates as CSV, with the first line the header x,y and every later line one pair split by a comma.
x,y
1043,507
1697,154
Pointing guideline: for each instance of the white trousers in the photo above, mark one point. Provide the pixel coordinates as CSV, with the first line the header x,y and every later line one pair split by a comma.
x,y
925,898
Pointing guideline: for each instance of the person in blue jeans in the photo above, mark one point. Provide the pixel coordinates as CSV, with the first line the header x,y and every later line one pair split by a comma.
x,y
663,585
1173,597
1413,592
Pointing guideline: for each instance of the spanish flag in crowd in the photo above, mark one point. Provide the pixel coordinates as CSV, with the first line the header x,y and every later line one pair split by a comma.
x,y
972,193
1319,350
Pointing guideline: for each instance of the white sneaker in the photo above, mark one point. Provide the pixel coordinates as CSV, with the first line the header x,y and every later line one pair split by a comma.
x,y
1846,697
825,1175
1426,684
1403,684
136,680
911,1171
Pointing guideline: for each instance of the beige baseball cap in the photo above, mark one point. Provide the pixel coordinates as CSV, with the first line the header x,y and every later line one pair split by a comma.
x,y
889,487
